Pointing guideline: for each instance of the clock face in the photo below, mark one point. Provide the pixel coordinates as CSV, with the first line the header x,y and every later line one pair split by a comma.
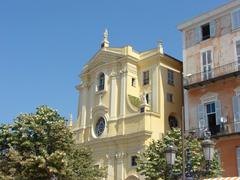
x,y
100,126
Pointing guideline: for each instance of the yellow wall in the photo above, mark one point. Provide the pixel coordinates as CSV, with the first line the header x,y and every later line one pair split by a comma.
x,y
127,130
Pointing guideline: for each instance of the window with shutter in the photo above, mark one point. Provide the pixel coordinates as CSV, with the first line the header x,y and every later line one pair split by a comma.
x,y
213,116
207,64
235,19
238,159
238,53
236,112
205,31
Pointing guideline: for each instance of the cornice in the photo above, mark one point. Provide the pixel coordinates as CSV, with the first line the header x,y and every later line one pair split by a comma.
x,y
118,138
209,14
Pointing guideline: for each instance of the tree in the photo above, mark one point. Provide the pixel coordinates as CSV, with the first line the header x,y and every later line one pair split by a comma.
x,y
40,146
152,162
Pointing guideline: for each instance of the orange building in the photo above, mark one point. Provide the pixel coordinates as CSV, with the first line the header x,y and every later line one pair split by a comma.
x,y
211,66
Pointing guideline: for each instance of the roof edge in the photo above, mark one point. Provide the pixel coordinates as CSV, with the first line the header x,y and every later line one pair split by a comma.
x,y
208,14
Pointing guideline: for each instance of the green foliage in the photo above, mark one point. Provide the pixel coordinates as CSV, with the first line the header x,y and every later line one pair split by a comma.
x,y
134,101
40,146
152,162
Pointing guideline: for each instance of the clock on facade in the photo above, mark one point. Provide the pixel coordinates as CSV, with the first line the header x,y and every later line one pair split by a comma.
x,y
100,126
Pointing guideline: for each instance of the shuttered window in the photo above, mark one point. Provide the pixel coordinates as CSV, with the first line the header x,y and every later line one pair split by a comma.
x,y
236,19
201,117
238,52
238,160
207,64
236,112
205,31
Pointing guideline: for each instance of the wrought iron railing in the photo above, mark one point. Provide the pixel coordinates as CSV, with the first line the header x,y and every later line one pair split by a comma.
x,y
219,130
210,75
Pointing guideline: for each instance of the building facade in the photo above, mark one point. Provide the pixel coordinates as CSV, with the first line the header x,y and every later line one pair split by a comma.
x,y
211,64
126,99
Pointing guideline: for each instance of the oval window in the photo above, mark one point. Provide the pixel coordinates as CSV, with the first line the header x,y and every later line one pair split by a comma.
x,y
100,126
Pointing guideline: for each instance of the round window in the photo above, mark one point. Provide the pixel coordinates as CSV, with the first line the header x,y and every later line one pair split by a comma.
x,y
100,126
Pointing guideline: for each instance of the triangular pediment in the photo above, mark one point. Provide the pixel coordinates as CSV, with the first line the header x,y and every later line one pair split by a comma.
x,y
103,56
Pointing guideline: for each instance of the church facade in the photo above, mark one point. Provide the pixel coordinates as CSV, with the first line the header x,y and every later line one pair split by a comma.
x,y
126,99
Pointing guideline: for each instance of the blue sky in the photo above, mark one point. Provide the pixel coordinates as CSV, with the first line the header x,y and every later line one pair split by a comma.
x,y
44,44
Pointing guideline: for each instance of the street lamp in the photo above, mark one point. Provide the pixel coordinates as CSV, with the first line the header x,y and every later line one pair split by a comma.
x,y
171,154
208,152
208,149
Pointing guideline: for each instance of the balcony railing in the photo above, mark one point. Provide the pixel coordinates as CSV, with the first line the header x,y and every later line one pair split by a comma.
x,y
223,129
216,73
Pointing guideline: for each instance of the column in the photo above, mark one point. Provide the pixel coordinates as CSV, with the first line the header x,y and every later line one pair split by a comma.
x,y
113,97
123,92
110,169
92,96
155,88
79,108
83,104
120,165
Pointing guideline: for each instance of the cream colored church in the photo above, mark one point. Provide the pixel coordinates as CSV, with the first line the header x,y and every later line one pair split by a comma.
x,y
126,99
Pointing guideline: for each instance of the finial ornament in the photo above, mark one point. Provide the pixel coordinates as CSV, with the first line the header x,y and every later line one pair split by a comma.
x,y
105,35
105,42
160,47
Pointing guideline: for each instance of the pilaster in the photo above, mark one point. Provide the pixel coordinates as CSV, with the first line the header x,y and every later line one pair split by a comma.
x,y
113,96
110,162
83,105
123,75
120,158
155,88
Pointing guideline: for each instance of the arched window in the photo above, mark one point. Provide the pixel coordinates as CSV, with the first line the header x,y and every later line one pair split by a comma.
x,y
101,81
173,123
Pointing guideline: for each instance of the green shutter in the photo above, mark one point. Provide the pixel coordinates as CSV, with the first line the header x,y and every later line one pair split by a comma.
x,y
197,34
212,28
218,112
235,101
201,117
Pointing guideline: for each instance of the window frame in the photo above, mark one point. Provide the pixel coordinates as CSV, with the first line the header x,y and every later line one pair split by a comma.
x,y
170,77
205,50
101,82
203,38
133,161
170,97
146,81
133,82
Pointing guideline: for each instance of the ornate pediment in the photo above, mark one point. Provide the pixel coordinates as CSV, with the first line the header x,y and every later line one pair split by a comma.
x,y
100,108
209,96
104,56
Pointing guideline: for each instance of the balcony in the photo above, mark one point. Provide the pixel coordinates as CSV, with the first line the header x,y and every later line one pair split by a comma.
x,y
217,73
224,129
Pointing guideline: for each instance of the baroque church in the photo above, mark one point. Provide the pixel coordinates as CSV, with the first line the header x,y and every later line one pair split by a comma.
x,y
126,99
